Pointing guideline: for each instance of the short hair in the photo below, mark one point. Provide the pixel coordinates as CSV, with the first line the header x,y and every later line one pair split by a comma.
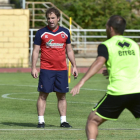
x,y
54,10
118,23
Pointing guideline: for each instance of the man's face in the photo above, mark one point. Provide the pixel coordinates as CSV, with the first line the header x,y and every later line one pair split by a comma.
x,y
52,21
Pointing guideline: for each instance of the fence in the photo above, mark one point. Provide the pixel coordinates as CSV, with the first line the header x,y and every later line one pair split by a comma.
x,y
87,40
37,14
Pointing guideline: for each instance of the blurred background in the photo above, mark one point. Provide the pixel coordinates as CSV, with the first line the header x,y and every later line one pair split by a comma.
x,y
20,19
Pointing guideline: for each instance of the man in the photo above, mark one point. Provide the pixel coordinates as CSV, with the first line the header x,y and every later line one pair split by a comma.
x,y
53,41
122,58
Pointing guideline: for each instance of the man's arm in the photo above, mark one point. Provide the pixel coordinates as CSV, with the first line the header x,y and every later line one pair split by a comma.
x,y
71,57
94,68
35,54
103,51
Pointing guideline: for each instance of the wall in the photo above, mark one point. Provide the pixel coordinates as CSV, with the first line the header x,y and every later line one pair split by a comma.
x,y
4,1
14,38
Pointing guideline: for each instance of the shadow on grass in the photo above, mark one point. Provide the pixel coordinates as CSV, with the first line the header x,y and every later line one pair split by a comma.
x,y
25,124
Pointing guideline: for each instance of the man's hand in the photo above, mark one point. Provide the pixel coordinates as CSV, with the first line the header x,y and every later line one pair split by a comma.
x,y
105,73
93,69
75,72
76,89
34,73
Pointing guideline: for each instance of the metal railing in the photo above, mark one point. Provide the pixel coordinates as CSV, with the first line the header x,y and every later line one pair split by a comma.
x,y
81,37
85,40
37,14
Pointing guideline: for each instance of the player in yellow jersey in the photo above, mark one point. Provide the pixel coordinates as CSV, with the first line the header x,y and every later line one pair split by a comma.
x,y
122,58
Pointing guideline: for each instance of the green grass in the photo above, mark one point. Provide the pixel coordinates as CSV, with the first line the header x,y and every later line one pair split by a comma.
x,y
18,115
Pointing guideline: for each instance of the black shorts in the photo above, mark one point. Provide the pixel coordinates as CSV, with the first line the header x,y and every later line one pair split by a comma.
x,y
110,107
53,81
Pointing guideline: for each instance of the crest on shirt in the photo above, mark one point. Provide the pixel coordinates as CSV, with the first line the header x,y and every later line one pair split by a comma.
x,y
63,35
46,36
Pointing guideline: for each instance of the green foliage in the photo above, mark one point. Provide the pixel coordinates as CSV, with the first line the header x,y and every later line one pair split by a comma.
x,y
93,14
17,3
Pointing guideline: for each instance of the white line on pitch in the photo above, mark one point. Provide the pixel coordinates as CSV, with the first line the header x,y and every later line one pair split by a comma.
x,y
18,85
6,96
36,86
38,129
67,129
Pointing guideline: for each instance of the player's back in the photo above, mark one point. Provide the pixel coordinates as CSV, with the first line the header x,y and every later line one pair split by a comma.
x,y
123,65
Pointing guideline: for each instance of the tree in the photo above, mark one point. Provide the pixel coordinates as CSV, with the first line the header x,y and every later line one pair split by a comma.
x,y
17,3
94,13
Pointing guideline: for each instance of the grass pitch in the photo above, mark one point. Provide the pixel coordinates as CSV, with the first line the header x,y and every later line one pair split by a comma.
x,y
18,115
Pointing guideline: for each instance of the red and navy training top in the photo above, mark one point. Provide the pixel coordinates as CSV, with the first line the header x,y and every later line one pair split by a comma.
x,y
53,47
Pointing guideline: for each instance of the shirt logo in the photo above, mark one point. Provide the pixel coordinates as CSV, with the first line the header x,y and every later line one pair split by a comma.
x,y
46,36
49,44
63,35
123,44
125,48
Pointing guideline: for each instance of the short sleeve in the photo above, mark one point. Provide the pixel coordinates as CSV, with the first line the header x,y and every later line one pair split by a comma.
x,y
37,39
102,51
68,41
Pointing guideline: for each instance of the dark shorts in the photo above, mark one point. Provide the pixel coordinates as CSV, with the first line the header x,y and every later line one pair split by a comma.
x,y
53,81
110,107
